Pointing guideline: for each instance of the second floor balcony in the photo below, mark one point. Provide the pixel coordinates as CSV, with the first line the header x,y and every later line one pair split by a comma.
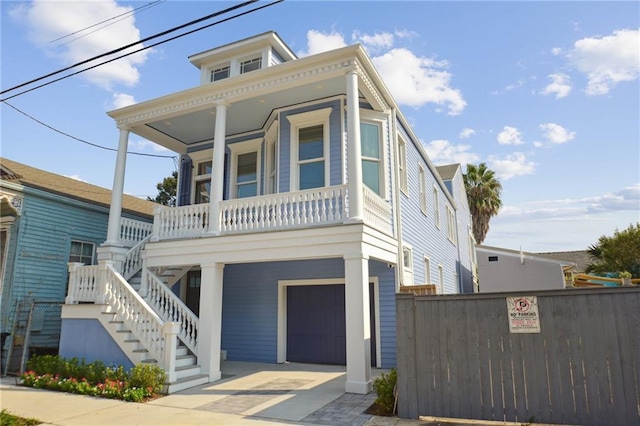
x,y
267,213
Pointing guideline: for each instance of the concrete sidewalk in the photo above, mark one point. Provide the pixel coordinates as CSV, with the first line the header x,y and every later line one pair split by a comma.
x,y
249,393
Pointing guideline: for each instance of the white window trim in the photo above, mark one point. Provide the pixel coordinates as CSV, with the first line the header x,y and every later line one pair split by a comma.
x,y
451,224
407,270
436,205
423,188
441,279
381,120
402,165
197,158
83,242
244,147
300,121
281,352
427,270
271,138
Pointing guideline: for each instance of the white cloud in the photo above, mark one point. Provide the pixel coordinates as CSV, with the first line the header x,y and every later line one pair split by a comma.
x,y
466,133
556,51
510,166
318,42
444,152
557,134
121,100
607,60
50,20
560,85
374,42
415,81
510,136
143,144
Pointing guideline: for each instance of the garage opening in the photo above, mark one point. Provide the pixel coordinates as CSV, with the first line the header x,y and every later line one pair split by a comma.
x,y
316,324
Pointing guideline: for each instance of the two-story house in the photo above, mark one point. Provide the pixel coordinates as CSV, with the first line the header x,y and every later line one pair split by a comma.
x,y
305,201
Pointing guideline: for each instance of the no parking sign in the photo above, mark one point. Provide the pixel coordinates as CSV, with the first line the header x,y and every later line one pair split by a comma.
x,y
523,314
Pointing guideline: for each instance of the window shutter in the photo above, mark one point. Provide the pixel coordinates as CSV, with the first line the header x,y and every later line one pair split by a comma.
x,y
184,191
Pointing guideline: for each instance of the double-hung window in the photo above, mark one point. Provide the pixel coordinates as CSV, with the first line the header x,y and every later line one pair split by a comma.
x,y
371,156
82,252
423,189
436,205
402,165
310,149
451,224
407,265
202,182
245,168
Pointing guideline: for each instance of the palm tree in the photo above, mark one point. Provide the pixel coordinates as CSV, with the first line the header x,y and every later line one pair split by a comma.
x,y
483,193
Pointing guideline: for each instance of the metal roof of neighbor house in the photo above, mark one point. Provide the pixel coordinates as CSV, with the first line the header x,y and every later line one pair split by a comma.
x,y
447,172
50,182
514,253
581,258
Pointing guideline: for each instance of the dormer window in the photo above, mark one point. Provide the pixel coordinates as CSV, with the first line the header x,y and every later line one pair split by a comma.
x,y
250,65
220,73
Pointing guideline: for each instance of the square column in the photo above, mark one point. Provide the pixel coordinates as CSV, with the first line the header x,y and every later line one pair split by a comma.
x,y
356,268
210,332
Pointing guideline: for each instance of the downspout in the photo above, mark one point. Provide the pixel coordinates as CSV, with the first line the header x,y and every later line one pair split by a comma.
x,y
397,222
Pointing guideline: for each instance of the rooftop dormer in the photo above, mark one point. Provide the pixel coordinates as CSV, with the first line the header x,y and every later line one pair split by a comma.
x,y
240,57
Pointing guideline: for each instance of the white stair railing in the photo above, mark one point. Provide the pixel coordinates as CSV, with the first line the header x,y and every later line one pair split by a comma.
x,y
170,308
133,231
132,263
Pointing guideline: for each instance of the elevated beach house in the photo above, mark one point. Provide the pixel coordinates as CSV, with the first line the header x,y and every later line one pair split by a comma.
x,y
305,202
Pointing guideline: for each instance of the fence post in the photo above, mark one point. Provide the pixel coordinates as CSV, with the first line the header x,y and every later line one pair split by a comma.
x,y
170,331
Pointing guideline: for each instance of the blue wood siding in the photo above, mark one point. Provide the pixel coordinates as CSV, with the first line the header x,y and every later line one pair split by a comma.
x,y
420,230
95,345
463,221
250,305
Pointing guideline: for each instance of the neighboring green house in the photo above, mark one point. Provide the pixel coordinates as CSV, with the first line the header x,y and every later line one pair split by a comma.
x,y
48,220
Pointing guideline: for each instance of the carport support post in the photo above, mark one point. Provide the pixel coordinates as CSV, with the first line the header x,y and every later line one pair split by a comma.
x,y
210,333
356,269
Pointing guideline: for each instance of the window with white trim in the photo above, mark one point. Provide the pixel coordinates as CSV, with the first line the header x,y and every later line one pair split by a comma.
x,y
451,224
220,73
245,168
371,152
440,279
436,205
427,270
402,165
249,65
407,263
202,181
271,160
309,149
423,189
82,252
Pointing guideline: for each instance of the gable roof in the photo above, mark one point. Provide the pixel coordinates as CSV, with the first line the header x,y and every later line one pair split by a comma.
x,y
447,172
581,258
31,177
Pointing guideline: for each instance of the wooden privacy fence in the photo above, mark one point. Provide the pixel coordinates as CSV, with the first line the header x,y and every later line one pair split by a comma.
x,y
457,358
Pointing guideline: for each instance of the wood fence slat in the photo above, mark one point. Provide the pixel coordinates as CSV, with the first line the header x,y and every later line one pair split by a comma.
x,y
497,412
471,359
407,401
550,322
576,358
559,318
424,356
628,324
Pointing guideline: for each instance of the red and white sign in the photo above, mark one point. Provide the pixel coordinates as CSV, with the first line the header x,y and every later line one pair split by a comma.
x,y
523,314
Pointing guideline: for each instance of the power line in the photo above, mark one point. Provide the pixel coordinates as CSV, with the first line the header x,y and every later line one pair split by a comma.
x,y
131,53
179,27
123,15
82,140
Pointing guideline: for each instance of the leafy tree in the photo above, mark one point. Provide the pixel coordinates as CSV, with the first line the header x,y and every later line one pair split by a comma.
x,y
618,253
167,191
483,194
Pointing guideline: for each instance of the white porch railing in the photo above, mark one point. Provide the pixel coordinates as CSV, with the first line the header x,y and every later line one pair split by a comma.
x,y
170,308
377,211
133,231
102,284
285,210
311,207
132,262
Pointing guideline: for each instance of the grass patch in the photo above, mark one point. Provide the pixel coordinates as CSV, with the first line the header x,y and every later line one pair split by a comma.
x,y
7,419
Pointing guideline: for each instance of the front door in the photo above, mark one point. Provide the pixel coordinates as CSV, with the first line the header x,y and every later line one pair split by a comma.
x,y
193,291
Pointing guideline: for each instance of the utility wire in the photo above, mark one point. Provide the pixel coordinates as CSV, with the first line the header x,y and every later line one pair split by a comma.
x,y
136,51
82,140
123,15
179,27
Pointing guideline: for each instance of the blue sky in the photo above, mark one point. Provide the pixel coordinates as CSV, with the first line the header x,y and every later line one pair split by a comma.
x,y
546,93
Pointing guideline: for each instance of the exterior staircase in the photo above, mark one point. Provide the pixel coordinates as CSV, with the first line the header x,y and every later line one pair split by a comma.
x,y
136,306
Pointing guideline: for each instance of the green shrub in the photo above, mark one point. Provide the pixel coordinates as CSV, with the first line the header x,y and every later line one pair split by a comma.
x,y
76,376
385,389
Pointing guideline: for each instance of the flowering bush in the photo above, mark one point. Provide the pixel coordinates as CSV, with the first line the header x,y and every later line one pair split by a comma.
x,y
95,379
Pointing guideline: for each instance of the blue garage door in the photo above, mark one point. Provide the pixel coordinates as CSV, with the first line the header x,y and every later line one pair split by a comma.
x,y
316,330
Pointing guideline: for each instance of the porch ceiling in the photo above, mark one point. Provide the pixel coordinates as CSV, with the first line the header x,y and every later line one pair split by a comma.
x,y
178,132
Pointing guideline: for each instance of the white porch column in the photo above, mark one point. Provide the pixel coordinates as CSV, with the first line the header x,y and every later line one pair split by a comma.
x,y
115,211
217,165
354,149
356,269
210,332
